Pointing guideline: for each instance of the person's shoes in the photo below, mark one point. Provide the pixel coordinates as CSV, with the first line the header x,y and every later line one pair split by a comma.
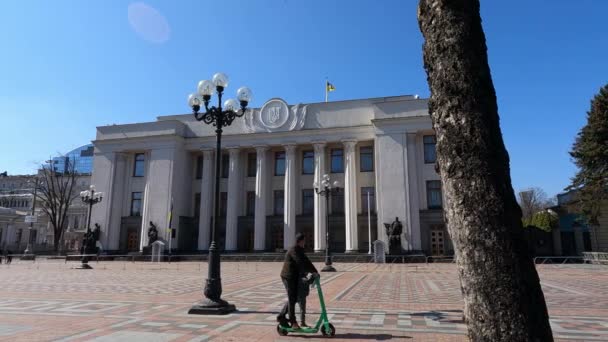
x,y
304,325
295,325
282,321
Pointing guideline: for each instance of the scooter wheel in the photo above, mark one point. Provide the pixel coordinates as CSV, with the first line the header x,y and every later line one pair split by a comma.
x,y
281,331
331,332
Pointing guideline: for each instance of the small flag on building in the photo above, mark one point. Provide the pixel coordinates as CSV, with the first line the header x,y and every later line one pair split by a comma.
x,y
328,88
169,217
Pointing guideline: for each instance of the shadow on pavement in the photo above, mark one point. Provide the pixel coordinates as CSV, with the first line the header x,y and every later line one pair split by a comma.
x,y
359,336
256,312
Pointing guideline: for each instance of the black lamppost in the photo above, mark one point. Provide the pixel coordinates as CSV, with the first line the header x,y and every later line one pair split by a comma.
x,y
219,117
89,197
327,189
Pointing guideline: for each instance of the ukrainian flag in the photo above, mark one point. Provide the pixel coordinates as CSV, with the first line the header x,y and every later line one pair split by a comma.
x,y
328,88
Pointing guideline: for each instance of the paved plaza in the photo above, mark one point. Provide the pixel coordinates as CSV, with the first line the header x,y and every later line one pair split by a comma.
x,y
126,301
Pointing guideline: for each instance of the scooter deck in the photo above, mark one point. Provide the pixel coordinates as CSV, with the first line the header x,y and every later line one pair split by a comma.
x,y
301,330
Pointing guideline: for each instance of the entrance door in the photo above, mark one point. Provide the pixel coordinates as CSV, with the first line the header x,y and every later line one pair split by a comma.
x,y
277,238
132,241
437,242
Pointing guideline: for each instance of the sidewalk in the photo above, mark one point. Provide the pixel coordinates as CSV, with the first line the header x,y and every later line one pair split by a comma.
x,y
145,302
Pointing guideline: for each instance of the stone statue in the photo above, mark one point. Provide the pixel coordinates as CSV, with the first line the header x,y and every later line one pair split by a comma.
x,y
89,241
96,232
152,234
393,231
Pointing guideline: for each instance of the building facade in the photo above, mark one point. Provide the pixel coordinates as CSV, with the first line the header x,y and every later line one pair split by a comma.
x,y
381,149
16,203
575,234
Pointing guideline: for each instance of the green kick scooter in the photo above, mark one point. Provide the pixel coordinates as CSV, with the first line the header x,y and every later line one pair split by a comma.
x,y
327,329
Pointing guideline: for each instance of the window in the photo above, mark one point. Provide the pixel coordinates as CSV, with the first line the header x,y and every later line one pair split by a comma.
x,y
225,165
136,198
372,200
279,202
429,149
75,225
366,158
433,194
337,203
199,167
197,204
138,167
250,203
308,162
279,163
308,201
223,203
337,160
251,164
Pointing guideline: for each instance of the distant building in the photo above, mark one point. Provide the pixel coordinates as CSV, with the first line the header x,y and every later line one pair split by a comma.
x,y
82,157
16,195
576,235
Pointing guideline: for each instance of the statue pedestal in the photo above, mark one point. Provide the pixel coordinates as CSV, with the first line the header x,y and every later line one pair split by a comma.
x,y
395,248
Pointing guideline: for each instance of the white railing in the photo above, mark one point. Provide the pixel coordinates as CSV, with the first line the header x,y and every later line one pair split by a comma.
x,y
600,258
569,259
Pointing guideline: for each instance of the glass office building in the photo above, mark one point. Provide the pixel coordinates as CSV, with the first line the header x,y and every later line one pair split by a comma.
x,y
82,156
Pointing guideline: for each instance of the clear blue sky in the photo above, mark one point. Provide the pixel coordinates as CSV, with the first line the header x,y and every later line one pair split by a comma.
x,y
69,66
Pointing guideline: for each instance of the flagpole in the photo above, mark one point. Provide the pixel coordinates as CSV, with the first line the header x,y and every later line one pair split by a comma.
x,y
326,90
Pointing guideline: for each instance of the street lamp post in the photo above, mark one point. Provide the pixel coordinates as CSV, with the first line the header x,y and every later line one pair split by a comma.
x,y
89,197
29,249
219,117
326,189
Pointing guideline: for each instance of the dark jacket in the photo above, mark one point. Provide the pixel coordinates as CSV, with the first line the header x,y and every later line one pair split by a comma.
x,y
296,263
304,285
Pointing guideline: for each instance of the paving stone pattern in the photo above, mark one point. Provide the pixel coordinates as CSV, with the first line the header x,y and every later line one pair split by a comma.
x,y
126,301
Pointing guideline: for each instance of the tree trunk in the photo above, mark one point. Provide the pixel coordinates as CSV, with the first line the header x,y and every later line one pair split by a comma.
x,y
57,241
501,289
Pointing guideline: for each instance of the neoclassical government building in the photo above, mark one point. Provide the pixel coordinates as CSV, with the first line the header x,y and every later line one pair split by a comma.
x,y
378,148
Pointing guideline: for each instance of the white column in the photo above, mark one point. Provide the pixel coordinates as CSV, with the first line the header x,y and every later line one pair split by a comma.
x,y
234,185
289,217
261,192
320,204
413,235
350,196
204,223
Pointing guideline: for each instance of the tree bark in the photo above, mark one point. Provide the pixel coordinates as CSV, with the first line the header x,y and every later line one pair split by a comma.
x,y
503,300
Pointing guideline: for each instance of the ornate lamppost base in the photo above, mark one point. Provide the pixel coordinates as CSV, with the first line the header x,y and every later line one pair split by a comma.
x,y
328,268
212,307
83,267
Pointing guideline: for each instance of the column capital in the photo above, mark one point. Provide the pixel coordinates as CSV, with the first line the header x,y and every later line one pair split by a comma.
x,y
349,144
290,148
234,151
261,148
319,146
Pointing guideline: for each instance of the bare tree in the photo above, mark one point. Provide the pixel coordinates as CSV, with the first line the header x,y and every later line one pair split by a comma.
x,y
503,300
531,201
56,192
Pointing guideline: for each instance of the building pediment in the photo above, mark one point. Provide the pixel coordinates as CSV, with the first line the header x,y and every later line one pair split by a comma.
x,y
275,116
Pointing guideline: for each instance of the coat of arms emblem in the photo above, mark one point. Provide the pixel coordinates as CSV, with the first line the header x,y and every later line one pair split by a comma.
x,y
275,116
